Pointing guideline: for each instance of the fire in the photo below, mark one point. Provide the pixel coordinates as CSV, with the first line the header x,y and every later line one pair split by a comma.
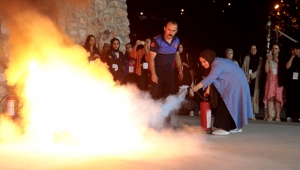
x,y
71,107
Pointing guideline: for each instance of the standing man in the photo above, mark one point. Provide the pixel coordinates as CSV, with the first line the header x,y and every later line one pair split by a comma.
x,y
164,49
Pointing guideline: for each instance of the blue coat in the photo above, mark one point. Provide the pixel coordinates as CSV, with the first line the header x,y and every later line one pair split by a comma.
x,y
232,84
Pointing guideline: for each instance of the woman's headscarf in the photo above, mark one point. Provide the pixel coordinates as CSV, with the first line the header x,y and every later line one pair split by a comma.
x,y
209,55
253,65
254,61
111,44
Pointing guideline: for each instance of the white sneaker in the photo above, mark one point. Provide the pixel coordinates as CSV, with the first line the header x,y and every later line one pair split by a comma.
x,y
288,119
235,130
220,132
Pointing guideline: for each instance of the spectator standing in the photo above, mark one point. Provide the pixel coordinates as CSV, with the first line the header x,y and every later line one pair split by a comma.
x,y
252,67
106,46
188,79
229,55
273,92
116,61
139,52
199,71
188,74
293,85
130,66
163,51
90,46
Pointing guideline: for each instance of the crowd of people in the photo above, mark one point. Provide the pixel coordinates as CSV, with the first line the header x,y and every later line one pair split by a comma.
x,y
161,65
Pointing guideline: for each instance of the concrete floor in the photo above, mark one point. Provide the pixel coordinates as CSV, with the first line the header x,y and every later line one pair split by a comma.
x,y
261,145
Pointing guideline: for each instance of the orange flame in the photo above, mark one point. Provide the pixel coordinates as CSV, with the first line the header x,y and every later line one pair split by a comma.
x,y
72,107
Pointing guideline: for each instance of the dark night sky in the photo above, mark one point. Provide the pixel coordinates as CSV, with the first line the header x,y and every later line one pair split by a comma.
x,y
203,24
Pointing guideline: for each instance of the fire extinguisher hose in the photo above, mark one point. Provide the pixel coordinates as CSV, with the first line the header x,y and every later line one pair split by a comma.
x,y
185,86
201,96
4,97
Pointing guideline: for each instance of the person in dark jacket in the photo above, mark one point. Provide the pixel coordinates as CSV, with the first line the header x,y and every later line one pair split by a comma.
x,y
116,61
293,86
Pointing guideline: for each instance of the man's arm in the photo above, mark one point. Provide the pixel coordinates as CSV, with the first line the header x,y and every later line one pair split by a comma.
x,y
178,63
151,57
289,63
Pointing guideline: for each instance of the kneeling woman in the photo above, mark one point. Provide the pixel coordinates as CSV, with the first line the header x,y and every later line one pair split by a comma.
x,y
229,93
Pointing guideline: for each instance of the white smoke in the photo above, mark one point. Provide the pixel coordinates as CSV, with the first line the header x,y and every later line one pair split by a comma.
x,y
154,113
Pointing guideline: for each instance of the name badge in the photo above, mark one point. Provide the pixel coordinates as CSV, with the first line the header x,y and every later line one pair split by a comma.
x,y
295,75
145,65
250,71
115,66
131,69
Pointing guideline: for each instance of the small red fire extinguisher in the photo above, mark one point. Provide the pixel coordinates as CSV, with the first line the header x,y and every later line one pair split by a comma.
x,y
12,102
12,105
205,116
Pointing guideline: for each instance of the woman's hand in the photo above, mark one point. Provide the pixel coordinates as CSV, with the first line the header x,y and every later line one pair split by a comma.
x,y
154,78
113,34
195,88
96,56
147,47
269,56
206,95
101,35
248,77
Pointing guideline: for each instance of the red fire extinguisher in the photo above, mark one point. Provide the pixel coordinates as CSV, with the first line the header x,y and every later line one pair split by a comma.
x,y
12,105
205,116
12,102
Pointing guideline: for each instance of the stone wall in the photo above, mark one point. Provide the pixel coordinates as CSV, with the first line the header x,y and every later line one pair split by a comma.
x,y
77,21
